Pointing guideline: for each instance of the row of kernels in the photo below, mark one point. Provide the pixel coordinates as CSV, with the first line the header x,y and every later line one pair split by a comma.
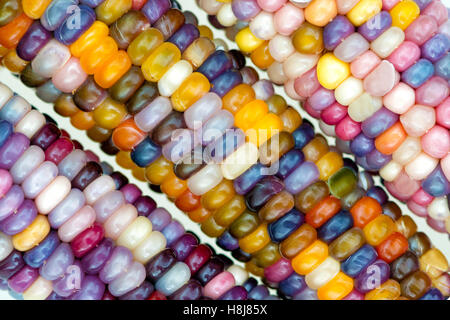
x,y
128,237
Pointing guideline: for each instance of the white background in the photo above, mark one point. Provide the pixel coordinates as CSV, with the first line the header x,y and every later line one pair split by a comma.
x,y
439,240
